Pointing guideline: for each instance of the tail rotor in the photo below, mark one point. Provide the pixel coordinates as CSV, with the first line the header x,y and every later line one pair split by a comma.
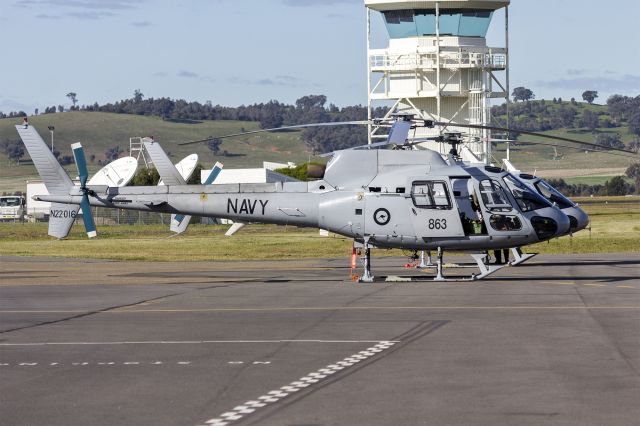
x,y
81,163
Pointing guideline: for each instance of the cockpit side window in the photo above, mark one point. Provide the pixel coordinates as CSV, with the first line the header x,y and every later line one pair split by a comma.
x,y
431,195
553,195
527,200
493,196
505,223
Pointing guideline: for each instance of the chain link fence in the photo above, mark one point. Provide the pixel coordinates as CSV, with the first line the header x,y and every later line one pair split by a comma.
x,y
103,216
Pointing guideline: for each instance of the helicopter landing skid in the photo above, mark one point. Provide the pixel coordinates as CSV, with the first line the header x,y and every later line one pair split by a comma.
x,y
485,270
480,259
519,256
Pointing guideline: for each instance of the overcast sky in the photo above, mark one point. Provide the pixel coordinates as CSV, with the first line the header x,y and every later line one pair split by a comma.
x,y
236,52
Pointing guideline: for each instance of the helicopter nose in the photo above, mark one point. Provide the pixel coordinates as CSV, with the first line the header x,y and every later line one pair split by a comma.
x,y
564,224
550,223
579,219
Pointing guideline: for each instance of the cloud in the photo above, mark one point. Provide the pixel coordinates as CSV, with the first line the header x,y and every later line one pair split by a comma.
x,y
90,15
279,80
187,74
45,16
79,9
84,4
576,71
621,83
142,24
311,3
194,75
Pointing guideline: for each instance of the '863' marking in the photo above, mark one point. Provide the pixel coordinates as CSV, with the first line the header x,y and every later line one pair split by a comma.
x,y
437,224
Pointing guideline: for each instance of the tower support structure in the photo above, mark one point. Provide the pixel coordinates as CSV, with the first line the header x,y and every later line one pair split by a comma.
x,y
439,67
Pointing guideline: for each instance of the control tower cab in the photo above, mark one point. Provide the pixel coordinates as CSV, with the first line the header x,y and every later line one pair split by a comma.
x,y
438,66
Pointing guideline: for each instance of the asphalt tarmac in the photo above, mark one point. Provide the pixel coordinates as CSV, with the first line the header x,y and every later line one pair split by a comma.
x,y
555,341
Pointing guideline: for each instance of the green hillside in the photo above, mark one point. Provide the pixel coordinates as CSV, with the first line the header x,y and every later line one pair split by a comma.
x,y
99,131
566,162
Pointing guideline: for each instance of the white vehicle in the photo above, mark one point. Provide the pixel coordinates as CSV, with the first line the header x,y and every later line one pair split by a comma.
x,y
12,207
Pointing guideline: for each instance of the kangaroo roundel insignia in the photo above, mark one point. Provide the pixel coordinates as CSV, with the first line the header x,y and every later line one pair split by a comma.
x,y
382,217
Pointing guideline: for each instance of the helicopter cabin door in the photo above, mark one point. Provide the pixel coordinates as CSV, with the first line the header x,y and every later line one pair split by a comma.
x,y
433,208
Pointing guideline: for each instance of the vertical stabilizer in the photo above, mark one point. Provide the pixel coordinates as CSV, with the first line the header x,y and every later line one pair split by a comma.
x,y
61,216
55,178
170,176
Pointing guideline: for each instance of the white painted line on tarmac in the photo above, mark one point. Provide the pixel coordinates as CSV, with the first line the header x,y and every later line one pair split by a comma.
x,y
181,342
87,363
4,365
273,396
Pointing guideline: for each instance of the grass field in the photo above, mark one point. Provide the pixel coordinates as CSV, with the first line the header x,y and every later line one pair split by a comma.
x,y
615,228
533,158
593,180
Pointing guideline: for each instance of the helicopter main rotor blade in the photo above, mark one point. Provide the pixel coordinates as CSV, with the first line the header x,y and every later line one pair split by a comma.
x,y
604,150
524,132
276,129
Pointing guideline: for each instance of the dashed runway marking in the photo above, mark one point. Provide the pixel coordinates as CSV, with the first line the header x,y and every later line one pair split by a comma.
x,y
93,364
310,379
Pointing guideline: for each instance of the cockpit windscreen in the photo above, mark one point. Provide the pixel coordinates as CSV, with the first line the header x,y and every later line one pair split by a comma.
x,y
527,199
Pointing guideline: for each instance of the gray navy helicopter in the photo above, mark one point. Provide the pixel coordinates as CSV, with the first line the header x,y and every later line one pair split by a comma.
x,y
381,198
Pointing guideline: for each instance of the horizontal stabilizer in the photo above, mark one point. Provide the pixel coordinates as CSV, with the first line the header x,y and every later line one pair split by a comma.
x,y
179,223
235,228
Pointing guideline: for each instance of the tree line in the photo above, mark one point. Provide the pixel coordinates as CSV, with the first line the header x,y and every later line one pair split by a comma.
x,y
527,114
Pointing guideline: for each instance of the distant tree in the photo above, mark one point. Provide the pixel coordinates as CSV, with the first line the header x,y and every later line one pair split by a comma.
x,y
634,122
137,96
590,96
566,115
214,145
195,176
299,172
92,158
590,120
573,102
634,145
616,186
272,115
36,111
146,177
633,171
60,108
113,153
73,97
522,94
609,140
66,160
13,149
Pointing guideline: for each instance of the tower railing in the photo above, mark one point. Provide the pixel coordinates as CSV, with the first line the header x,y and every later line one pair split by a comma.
x,y
383,61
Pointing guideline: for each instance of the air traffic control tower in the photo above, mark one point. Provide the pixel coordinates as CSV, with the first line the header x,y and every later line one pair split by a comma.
x,y
438,66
